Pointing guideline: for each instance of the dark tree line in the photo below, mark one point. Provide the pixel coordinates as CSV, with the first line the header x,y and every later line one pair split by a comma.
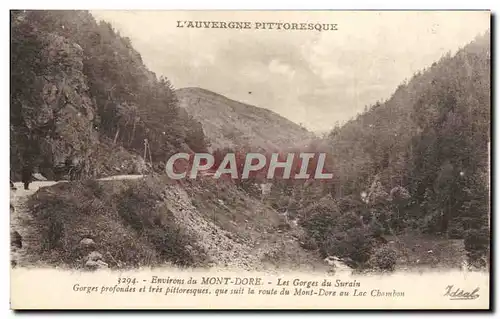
x,y
99,72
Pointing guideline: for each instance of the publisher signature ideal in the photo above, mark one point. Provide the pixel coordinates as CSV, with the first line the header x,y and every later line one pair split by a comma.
x,y
460,294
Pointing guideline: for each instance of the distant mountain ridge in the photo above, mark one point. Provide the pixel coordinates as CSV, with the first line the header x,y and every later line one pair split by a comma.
x,y
229,123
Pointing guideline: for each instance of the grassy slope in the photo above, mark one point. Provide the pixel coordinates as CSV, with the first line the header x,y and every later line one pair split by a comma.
x,y
127,221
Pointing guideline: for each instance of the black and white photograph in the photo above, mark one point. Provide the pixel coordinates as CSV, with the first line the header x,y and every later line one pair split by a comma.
x,y
354,146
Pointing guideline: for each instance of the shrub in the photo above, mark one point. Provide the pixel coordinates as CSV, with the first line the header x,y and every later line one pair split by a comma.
x,y
307,242
354,244
337,234
319,220
456,230
477,245
384,258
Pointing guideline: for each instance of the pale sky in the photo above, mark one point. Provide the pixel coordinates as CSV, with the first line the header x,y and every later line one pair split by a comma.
x,y
310,77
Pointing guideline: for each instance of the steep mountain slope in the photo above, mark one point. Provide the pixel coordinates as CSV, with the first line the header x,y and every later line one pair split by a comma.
x,y
76,83
81,97
415,163
444,110
431,136
228,123
155,222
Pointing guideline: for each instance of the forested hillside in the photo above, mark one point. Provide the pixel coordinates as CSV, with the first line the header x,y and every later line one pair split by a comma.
x,y
411,174
417,162
79,88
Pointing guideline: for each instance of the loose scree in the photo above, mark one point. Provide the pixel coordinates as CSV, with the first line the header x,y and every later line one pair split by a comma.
x,y
305,166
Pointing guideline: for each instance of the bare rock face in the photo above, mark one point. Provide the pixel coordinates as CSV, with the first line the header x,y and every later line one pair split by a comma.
x,y
66,95
63,112
113,159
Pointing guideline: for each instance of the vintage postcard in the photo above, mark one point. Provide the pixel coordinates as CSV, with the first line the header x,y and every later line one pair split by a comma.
x,y
250,159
